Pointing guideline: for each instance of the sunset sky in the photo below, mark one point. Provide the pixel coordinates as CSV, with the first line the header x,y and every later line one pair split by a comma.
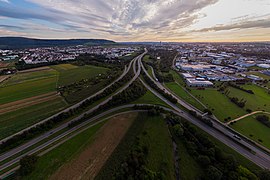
x,y
138,20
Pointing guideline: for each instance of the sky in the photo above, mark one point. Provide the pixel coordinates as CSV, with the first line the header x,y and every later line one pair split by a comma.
x,y
138,20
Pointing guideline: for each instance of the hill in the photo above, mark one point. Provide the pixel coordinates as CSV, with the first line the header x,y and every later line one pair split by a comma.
x,y
22,42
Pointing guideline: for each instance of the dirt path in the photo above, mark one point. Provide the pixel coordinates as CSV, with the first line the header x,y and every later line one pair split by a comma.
x,y
9,107
89,162
36,69
250,114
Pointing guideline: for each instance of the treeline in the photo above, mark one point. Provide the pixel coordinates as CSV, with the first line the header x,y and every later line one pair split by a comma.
x,y
21,65
51,123
216,164
97,60
133,92
154,86
240,88
264,120
239,102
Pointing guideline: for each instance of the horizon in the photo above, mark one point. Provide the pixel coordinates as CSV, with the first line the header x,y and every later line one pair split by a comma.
x,y
126,21
267,41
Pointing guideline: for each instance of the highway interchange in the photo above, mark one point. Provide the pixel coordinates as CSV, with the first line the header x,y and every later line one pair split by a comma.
x,y
219,131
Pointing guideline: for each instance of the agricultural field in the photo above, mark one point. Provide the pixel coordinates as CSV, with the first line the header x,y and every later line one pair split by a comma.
x,y
26,85
69,73
253,129
151,133
28,76
90,148
257,101
16,120
180,92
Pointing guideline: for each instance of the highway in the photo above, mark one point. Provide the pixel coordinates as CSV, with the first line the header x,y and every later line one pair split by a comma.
x,y
219,131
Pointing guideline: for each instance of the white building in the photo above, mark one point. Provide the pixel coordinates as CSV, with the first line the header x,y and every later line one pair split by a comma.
x,y
198,83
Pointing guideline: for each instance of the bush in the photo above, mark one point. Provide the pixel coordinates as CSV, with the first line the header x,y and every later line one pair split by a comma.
x,y
204,160
27,165
263,119
213,173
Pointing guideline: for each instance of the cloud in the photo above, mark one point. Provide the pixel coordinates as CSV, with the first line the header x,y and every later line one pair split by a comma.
x,y
123,17
5,1
242,24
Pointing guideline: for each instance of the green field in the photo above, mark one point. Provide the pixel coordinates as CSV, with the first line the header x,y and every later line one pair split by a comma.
x,y
260,100
178,78
30,76
253,129
188,167
51,161
150,72
218,103
151,132
15,121
179,91
150,98
27,89
158,140
70,73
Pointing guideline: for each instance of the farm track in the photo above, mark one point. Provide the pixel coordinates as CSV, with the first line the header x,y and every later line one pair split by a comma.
x,y
9,107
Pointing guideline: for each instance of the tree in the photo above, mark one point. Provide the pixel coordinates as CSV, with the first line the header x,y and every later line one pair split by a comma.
x,y
207,111
27,164
204,160
264,174
245,173
213,173
178,130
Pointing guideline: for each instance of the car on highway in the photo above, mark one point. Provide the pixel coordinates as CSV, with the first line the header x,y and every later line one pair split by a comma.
x,y
236,137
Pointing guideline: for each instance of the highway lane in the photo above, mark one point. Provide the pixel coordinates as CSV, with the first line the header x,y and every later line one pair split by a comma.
x,y
125,71
59,128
